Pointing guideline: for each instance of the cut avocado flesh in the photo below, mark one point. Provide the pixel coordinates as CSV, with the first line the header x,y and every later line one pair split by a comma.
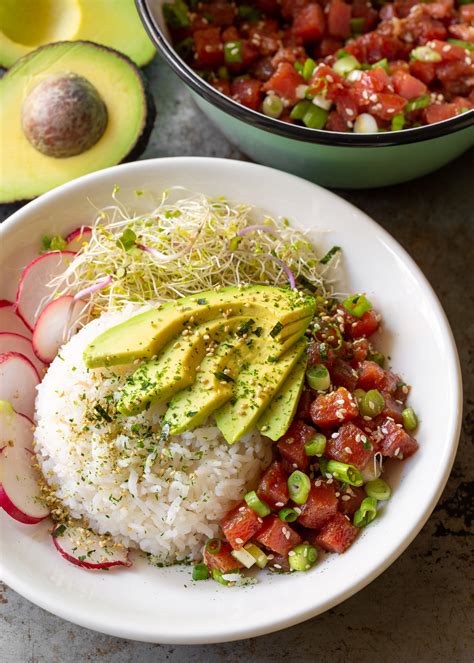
x,y
175,367
253,391
120,86
26,25
278,416
145,334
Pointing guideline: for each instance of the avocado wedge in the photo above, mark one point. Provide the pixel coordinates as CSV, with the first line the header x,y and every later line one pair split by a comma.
x,y
254,389
144,335
68,109
278,416
175,367
26,25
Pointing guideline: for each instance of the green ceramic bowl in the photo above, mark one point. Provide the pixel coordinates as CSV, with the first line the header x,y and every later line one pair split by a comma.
x,y
332,159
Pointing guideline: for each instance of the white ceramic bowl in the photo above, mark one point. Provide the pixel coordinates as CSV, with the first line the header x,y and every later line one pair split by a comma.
x,y
164,605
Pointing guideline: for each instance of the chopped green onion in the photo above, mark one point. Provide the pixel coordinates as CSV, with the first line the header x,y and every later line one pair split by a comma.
x,y
302,557
345,65
377,357
425,54
464,2
287,514
272,106
176,14
378,489
316,446
463,44
330,254
318,377
249,13
256,504
418,103
217,576
244,557
299,486
372,404
381,63
360,395
366,512
398,122
213,546
308,68
200,572
185,48
365,123
233,52
345,472
357,25
357,305
300,110
315,117
342,54
261,559
323,466
410,420
276,330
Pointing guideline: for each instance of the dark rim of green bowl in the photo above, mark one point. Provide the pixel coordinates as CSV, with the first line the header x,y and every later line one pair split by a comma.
x,y
291,131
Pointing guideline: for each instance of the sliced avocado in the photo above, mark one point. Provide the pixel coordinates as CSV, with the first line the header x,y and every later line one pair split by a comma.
x,y
175,367
109,116
253,391
144,335
26,25
278,416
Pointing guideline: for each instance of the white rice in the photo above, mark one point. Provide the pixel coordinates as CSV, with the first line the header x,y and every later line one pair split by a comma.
x,y
163,497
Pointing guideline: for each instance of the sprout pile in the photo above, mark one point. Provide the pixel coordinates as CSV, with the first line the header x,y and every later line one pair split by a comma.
x,y
187,244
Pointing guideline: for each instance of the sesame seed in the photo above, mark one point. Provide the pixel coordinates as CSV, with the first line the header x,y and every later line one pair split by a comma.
x,y
279,504
239,541
348,450
345,498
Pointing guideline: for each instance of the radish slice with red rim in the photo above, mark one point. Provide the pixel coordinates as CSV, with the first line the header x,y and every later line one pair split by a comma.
x,y
17,343
76,239
18,381
33,286
11,322
84,548
20,494
56,323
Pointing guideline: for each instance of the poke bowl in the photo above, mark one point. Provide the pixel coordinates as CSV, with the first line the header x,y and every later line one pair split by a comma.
x,y
97,478
355,129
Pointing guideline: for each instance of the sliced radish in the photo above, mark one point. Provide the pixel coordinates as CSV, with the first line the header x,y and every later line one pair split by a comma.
x,y
20,495
55,324
21,344
34,280
10,321
82,547
76,239
18,380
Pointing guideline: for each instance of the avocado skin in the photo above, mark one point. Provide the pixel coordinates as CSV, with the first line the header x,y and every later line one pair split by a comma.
x,y
142,139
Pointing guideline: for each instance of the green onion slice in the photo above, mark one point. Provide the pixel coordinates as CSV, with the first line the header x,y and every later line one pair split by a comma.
x,y
316,446
345,472
357,305
318,377
410,420
366,512
200,572
213,546
287,514
302,557
372,404
261,559
233,52
256,504
463,44
418,103
299,486
378,489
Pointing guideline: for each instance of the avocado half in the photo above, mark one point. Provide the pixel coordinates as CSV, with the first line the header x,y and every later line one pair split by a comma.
x,y
123,135
26,25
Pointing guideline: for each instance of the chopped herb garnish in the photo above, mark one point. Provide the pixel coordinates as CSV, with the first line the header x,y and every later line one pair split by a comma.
x,y
53,243
103,413
325,259
59,531
276,330
245,327
223,376
202,301
127,239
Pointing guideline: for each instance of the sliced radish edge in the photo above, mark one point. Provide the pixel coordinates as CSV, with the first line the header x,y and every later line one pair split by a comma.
x,y
68,540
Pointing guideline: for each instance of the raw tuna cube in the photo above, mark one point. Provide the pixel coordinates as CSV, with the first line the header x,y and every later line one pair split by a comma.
x,y
339,19
337,534
209,48
223,560
351,500
273,486
372,376
396,443
366,325
291,445
393,408
320,506
348,446
247,92
343,375
240,524
284,83
333,409
277,535
309,23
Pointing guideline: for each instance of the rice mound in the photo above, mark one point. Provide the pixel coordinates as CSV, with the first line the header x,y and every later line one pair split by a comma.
x,y
162,496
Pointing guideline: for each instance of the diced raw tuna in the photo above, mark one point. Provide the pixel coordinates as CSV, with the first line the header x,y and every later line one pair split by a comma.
x,y
291,445
333,409
309,23
392,408
407,85
277,535
339,19
337,534
209,48
396,442
366,325
373,376
247,91
285,82
240,524
348,446
273,486
343,375
351,500
223,561
320,506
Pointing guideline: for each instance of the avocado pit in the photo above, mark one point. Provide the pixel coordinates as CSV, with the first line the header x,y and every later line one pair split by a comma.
x,y
63,116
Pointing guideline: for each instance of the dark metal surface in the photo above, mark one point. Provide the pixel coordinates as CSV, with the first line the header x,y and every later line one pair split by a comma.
x,y
420,609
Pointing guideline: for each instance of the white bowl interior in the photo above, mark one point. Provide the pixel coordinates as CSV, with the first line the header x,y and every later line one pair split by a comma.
x,y
164,605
